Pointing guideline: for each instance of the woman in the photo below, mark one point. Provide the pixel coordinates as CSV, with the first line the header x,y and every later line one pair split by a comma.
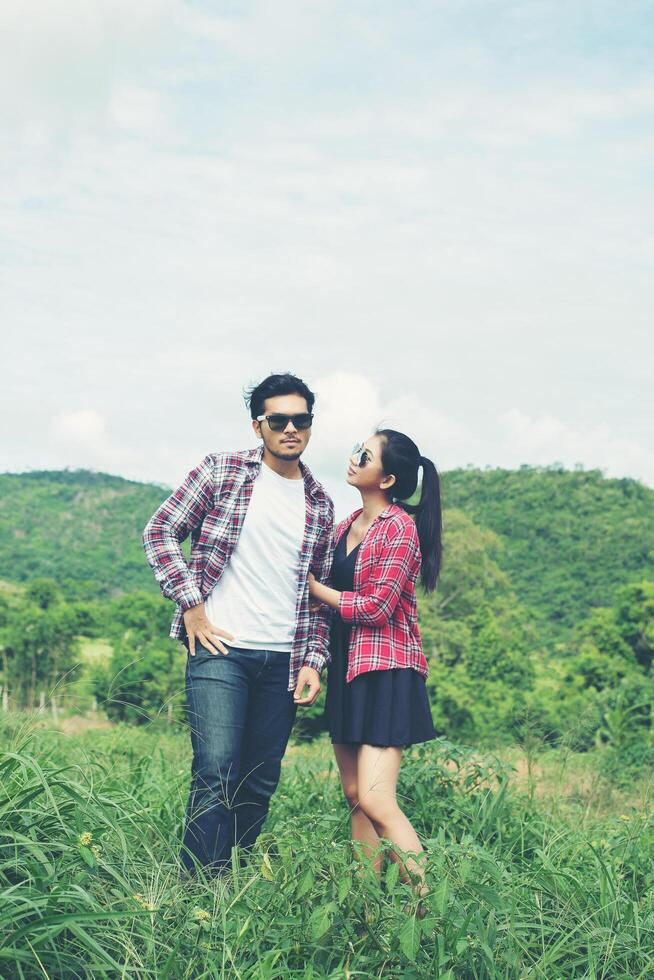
x,y
376,697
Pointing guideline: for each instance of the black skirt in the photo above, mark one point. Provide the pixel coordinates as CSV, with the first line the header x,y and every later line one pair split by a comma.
x,y
379,707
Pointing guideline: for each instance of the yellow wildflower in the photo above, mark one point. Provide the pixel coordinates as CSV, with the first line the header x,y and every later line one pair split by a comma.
x,y
85,838
96,851
201,915
144,903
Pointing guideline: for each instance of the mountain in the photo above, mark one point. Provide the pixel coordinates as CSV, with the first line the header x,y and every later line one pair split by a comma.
x,y
82,529
570,538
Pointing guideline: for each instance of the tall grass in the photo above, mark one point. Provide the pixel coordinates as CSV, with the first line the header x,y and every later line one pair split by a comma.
x,y
89,836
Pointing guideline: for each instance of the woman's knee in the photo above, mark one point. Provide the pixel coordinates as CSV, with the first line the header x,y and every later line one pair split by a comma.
x,y
378,807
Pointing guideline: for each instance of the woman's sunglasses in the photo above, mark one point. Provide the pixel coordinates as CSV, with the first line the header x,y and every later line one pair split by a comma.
x,y
278,422
361,453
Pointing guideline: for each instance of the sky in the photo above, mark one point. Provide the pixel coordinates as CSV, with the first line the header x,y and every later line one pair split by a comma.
x,y
438,214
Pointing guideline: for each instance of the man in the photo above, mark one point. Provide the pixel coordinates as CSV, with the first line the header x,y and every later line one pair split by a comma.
x,y
259,523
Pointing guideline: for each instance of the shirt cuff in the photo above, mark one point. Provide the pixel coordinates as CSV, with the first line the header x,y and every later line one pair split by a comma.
x,y
346,606
315,660
188,597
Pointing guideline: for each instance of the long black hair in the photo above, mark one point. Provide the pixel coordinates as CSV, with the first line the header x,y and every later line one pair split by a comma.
x,y
401,458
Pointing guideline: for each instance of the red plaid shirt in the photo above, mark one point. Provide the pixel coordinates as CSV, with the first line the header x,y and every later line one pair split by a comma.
x,y
382,608
210,505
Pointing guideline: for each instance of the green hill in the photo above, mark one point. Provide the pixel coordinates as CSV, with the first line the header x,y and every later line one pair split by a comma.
x,y
570,538
81,528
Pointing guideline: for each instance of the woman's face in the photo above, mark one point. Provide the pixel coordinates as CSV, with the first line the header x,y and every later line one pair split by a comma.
x,y
371,475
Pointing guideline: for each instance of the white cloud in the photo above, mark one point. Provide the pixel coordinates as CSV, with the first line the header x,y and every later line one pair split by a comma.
x,y
430,226
545,439
60,60
500,118
84,426
136,109
350,406
81,439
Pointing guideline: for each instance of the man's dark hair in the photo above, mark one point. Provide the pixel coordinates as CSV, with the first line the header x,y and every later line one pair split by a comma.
x,y
273,385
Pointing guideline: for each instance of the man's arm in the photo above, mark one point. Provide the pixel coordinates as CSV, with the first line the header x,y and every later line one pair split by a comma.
x,y
171,524
320,617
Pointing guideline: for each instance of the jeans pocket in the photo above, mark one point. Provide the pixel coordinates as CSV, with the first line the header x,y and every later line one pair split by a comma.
x,y
202,652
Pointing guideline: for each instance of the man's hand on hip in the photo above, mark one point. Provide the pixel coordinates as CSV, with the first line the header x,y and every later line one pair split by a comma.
x,y
308,677
199,628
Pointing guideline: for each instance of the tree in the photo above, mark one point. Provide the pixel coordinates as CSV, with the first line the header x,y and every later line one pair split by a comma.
x,y
43,592
142,680
634,617
40,648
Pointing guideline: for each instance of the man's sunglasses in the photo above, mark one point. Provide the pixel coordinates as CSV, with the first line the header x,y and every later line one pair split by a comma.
x,y
278,422
361,453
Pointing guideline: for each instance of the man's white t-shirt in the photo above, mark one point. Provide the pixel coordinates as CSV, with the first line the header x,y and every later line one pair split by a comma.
x,y
256,596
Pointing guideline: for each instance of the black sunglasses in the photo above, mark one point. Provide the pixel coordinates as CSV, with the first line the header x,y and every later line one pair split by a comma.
x,y
278,422
362,454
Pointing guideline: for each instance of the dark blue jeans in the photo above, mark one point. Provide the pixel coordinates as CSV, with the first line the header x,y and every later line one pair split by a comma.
x,y
240,714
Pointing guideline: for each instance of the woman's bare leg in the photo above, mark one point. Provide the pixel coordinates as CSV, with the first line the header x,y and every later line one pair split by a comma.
x,y
364,834
377,772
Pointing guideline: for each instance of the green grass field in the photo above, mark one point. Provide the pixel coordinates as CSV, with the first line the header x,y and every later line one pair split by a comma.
x,y
540,866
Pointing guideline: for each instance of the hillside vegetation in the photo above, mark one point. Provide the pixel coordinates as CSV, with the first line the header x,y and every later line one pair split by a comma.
x,y
543,620
570,538
80,528
566,540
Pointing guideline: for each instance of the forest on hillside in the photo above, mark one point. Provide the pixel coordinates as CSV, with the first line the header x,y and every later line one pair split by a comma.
x,y
542,622
567,539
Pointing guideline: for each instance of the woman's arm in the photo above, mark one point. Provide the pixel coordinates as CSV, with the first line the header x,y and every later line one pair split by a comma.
x,y
399,562
323,593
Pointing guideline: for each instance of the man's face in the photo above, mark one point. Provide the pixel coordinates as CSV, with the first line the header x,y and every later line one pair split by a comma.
x,y
291,442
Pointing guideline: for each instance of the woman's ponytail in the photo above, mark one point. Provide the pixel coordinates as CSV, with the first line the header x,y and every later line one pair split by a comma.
x,y
401,456
429,525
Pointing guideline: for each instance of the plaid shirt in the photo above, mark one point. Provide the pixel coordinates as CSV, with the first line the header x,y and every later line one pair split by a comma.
x,y
210,505
382,608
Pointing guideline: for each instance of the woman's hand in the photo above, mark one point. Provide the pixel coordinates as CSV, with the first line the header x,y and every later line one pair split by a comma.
x,y
322,594
314,603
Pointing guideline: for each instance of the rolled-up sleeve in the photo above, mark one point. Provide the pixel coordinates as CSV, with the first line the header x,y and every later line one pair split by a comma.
x,y
171,524
320,619
399,562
